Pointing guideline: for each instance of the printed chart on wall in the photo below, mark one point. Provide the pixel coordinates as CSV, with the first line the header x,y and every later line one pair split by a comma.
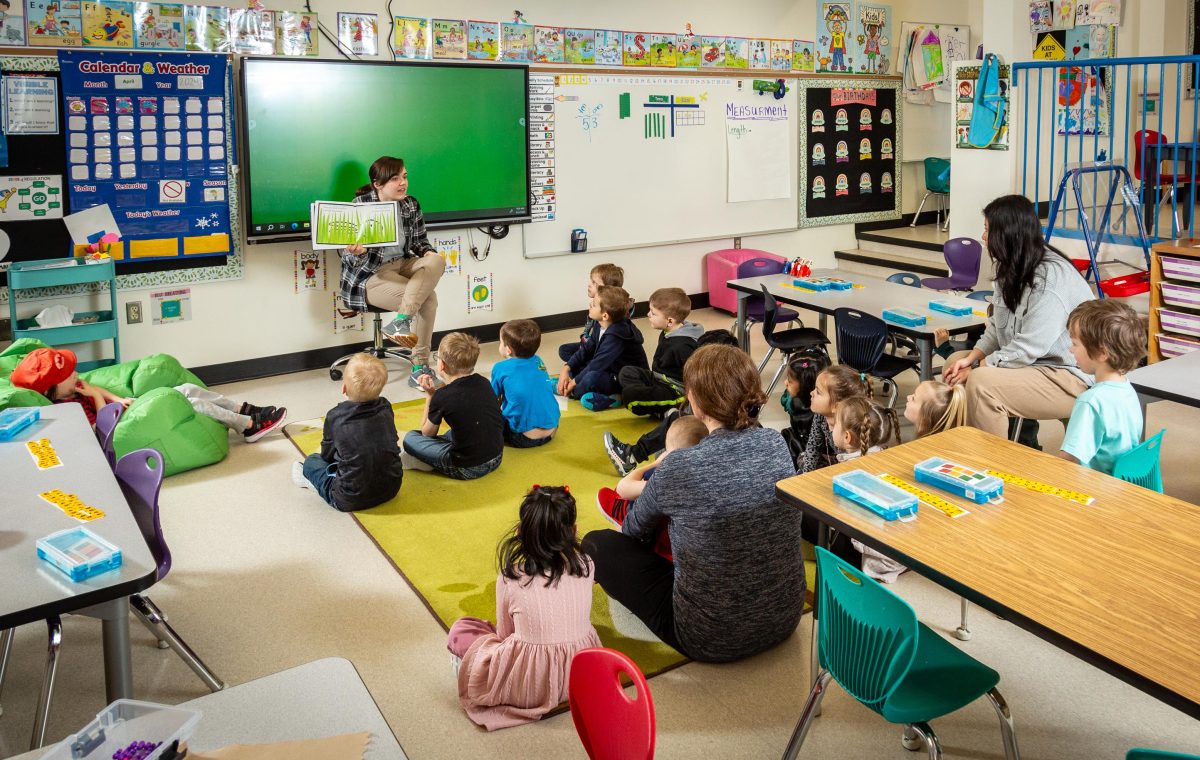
x,y
981,105
147,135
849,168
627,160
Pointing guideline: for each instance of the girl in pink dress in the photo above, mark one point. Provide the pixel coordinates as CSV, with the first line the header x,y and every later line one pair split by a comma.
x,y
516,671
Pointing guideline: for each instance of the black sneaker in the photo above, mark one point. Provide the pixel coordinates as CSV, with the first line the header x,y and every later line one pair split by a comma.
x,y
260,425
250,410
621,455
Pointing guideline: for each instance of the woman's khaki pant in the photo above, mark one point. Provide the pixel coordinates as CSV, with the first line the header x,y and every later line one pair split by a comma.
x,y
407,286
1035,393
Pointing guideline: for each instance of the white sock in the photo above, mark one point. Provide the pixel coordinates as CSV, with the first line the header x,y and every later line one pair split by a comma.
x,y
298,476
409,462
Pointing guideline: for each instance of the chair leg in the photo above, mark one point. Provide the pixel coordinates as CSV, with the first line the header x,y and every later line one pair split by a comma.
x,y
42,716
811,706
1016,429
932,744
962,632
778,374
917,215
153,619
1008,731
893,391
6,640
763,364
946,222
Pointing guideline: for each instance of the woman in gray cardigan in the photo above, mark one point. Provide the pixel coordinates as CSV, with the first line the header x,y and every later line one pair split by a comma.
x,y
1022,366
737,583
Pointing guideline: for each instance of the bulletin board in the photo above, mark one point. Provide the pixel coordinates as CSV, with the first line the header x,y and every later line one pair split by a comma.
x,y
850,150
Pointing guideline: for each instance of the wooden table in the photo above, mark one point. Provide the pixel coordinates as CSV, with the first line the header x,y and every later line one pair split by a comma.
x,y
876,296
1114,583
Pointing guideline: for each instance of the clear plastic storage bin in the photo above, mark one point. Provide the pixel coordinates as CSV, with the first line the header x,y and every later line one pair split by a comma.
x,y
960,480
16,419
904,317
875,493
79,553
122,723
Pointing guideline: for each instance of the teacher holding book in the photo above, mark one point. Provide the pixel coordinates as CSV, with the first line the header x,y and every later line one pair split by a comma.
x,y
400,278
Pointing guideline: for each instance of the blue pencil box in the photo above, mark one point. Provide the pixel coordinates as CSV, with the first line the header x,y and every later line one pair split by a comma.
x,y
960,480
875,494
16,419
837,283
904,317
949,307
811,283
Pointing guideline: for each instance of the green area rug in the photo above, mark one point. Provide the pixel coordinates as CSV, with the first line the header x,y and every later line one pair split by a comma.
x,y
441,534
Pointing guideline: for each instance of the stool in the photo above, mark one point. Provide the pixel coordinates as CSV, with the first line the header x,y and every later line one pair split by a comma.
x,y
378,347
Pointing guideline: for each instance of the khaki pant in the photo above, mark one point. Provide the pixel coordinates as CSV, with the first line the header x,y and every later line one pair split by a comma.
x,y
1035,393
407,286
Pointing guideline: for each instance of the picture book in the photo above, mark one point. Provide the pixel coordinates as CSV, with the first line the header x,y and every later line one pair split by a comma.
x,y
252,32
295,33
206,27
54,22
449,38
107,24
712,52
580,47
781,55
483,40
516,42
662,50
736,53
637,52
412,37
359,33
802,56
335,225
158,26
608,47
759,54
12,24
687,55
548,44
873,39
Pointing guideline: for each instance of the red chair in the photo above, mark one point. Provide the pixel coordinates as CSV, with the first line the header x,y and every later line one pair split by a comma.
x,y
611,725
1155,178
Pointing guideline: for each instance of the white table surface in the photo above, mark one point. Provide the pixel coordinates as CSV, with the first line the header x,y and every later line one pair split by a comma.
x,y
1172,379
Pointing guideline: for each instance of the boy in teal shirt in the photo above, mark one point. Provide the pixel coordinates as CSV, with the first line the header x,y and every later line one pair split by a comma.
x,y
1108,339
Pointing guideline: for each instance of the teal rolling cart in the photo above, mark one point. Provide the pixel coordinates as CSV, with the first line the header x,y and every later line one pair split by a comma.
x,y
88,326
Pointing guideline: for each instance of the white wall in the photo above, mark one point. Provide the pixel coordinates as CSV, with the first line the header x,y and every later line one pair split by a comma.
x,y
260,316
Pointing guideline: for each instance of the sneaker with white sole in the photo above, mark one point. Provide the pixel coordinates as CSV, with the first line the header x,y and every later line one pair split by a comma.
x,y
400,330
620,454
612,506
414,380
262,424
409,462
298,476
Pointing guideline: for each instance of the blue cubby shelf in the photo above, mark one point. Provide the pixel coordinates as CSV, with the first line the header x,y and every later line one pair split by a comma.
x,y
24,275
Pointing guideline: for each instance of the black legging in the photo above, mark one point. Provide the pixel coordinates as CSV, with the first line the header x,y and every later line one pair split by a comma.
x,y
629,571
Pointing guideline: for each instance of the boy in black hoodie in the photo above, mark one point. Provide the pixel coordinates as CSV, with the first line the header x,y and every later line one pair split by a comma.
x,y
654,391
616,344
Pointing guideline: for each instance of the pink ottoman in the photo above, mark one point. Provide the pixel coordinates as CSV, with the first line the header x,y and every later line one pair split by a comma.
x,y
721,267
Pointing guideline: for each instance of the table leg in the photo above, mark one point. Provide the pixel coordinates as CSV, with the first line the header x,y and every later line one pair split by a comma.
x,y
925,351
823,323
118,664
743,334
1144,402
814,650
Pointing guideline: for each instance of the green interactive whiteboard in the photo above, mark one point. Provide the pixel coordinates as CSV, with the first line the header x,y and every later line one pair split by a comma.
x,y
313,128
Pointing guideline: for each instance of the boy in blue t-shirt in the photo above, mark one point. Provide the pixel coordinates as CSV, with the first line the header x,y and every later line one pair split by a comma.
x,y
526,396
1108,339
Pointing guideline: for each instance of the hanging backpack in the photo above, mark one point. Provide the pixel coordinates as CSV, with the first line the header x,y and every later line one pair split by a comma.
x,y
988,117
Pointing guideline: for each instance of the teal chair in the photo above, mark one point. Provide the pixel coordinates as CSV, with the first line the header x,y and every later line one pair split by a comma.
x,y
1140,465
870,642
1157,754
937,184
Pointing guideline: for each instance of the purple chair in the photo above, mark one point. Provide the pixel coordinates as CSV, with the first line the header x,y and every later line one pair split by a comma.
x,y
962,257
107,417
755,305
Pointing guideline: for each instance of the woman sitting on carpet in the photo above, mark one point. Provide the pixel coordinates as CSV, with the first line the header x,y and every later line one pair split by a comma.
x,y
516,671
737,584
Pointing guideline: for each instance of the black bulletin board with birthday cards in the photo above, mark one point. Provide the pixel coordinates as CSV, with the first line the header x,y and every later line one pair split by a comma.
x,y
850,150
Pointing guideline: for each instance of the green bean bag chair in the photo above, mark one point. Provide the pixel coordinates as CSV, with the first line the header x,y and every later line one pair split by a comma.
x,y
160,417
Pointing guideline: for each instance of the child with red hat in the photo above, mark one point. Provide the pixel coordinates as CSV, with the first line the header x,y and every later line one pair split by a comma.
x,y
51,372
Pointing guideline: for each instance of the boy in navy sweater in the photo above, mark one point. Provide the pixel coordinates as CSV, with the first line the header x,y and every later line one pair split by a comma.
x,y
653,391
593,368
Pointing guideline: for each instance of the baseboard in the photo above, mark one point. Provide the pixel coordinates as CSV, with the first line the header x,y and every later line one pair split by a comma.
x,y
318,358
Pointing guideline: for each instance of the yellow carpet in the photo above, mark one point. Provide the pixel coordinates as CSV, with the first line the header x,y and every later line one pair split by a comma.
x,y
441,534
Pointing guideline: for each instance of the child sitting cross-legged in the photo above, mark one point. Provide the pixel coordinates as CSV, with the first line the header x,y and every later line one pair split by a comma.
x,y
51,372
526,398
474,444
601,275
1108,339
654,391
516,671
593,368
685,433
358,466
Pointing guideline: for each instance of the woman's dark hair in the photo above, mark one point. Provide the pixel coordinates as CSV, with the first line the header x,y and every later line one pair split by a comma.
x,y
543,543
1016,245
381,172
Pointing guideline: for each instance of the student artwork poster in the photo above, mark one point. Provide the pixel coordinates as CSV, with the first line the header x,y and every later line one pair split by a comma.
x,y
54,22
449,39
802,56
687,52
712,52
359,33
760,54
108,24
206,28
1098,12
158,26
833,36
637,50
548,44
580,46
873,39
1082,101
1041,16
608,47
12,23
252,32
295,34
483,40
781,55
412,37
736,53
516,42
662,50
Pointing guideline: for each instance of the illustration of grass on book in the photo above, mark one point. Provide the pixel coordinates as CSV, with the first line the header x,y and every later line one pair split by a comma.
x,y
342,224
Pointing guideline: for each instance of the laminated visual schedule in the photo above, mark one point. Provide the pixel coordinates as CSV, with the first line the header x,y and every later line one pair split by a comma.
x,y
148,134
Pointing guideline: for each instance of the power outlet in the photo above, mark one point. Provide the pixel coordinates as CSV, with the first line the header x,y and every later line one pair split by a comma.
x,y
133,312
737,242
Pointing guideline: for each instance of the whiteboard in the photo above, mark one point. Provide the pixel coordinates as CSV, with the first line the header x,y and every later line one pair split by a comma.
x,y
630,183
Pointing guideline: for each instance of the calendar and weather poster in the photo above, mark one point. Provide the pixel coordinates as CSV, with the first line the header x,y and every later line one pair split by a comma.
x,y
148,134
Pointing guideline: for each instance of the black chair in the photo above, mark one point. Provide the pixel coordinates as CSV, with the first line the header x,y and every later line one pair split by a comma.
x,y
380,346
755,311
905,278
861,339
787,341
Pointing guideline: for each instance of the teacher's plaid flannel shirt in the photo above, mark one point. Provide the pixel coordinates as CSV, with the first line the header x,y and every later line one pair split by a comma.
x,y
356,270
